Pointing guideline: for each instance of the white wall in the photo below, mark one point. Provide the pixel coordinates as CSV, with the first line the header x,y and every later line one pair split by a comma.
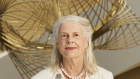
x,y
118,61
7,68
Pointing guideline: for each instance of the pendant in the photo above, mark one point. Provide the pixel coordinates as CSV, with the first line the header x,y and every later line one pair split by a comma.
x,y
58,76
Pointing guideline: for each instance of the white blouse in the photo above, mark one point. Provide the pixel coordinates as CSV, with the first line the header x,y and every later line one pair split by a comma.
x,y
48,74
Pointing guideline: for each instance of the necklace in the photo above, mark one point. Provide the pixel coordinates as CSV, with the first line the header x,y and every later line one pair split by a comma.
x,y
70,77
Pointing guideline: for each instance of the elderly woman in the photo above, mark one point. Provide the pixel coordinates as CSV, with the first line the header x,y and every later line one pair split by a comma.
x,y
73,56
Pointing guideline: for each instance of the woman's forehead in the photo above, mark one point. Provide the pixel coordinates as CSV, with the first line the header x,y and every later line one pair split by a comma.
x,y
71,27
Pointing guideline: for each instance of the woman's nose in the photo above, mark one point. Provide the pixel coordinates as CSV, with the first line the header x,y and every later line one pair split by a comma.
x,y
70,40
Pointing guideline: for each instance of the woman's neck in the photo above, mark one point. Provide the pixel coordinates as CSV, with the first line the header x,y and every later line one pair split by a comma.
x,y
73,66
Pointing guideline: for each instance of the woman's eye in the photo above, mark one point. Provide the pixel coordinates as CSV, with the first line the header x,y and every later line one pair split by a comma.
x,y
64,35
76,35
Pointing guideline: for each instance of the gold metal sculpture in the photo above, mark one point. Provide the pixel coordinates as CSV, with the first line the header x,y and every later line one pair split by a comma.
x,y
26,28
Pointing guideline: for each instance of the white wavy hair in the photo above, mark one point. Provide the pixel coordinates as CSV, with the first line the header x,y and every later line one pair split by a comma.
x,y
89,59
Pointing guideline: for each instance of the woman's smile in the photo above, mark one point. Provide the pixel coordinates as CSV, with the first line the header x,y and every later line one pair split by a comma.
x,y
71,48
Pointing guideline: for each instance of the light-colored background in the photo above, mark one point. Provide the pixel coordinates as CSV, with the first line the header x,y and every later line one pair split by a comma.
x,y
116,61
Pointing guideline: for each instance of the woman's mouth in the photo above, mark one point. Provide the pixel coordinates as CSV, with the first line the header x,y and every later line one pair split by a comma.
x,y
71,48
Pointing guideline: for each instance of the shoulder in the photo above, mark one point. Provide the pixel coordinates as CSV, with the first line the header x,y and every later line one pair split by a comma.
x,y
103,74
103,70
44,74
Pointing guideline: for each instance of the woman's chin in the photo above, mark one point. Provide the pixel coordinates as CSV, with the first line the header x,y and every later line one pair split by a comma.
x,y
71,55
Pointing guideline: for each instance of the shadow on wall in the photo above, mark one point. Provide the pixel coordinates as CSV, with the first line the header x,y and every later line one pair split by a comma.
x,y
131,74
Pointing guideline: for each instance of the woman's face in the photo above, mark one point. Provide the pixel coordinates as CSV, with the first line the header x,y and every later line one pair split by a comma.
x,y
71,41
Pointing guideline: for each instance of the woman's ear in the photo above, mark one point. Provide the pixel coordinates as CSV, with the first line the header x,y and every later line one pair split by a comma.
x,y
56,43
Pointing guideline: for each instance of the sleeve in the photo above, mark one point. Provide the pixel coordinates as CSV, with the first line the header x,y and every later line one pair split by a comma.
x,y
32,78
44,74
110,75
40,75
105,74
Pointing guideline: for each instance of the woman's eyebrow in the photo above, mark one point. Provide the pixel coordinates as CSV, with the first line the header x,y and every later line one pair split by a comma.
x,y
76,32
63,32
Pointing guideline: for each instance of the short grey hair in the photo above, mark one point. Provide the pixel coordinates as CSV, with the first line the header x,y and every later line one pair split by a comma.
x,y
89,59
